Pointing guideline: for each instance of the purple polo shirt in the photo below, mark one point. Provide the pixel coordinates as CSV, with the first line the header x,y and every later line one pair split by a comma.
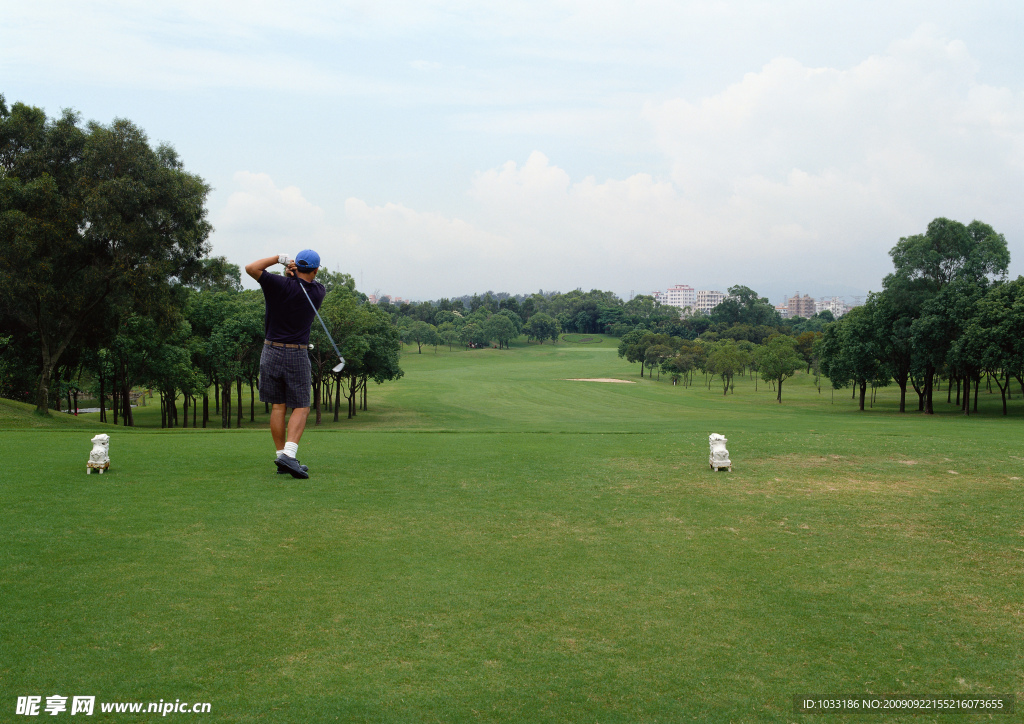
x,y
289,315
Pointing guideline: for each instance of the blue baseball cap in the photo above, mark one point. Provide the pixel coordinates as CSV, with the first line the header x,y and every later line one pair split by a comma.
x,y
307,260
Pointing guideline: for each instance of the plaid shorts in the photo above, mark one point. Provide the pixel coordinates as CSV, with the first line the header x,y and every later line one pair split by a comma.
x,y
285,376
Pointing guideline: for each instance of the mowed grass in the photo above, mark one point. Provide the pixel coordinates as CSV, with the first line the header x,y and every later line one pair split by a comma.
x,y
491,542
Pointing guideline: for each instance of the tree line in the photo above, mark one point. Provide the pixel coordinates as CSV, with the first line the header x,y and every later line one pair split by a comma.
x,y
774,360
477,320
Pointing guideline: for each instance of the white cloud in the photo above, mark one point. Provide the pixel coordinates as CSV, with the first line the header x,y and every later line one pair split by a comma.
x,y
259,205
260,219
855,157
415,254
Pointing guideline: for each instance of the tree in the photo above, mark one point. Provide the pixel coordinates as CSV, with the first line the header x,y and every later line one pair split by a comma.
x,y
849,351
512,316
994,337
372,350
655,355
132,349
778,360
93,212
368,340
205,311
631,347
216,274
171,370
682,364
237,342
805,347
448,334
725,360
894,311
422,333
743,306
500,328
948,253
542,326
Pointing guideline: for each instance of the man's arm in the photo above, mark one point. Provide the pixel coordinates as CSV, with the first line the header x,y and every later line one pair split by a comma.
x,y
256,268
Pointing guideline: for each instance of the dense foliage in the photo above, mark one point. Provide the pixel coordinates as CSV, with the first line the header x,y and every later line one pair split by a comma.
x,y
475,321
93,222
947,311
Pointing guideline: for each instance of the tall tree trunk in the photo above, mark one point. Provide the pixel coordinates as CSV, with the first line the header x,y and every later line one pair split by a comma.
x,y
929,373
1003,389
45,375
206,407
920,393
863,393
238,382
126,396
316,400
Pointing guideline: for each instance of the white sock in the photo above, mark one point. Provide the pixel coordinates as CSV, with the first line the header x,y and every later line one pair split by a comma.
x,y
280,453
291,449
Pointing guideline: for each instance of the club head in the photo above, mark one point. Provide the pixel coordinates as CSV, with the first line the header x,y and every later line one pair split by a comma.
x,y
340,366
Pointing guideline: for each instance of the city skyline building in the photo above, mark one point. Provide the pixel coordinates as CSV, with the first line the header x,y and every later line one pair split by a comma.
x,y
800,306
681,295
707,299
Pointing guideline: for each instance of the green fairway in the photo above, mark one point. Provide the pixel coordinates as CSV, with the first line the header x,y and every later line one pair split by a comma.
x,y
493,542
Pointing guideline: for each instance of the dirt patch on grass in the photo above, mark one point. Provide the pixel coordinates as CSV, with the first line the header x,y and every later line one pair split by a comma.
x,y
779,475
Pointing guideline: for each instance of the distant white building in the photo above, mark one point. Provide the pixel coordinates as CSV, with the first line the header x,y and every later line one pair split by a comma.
x,y
833,304
705,300
681,295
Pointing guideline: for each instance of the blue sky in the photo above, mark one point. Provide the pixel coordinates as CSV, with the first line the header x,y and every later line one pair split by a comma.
x,y
443,148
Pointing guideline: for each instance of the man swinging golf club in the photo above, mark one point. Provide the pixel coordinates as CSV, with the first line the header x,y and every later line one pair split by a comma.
x,y
285,376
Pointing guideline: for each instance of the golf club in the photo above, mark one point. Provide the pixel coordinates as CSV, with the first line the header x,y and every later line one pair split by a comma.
x,y
341,364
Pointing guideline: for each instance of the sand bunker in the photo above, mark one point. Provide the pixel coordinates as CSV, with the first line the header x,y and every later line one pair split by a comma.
x,y
600,379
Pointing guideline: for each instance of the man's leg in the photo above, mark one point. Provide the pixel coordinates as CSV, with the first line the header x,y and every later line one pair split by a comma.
x,y
297,424
287,461
298,386
277,430
277,413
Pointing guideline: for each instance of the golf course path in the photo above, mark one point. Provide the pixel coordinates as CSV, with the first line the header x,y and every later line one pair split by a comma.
x,y
600,379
